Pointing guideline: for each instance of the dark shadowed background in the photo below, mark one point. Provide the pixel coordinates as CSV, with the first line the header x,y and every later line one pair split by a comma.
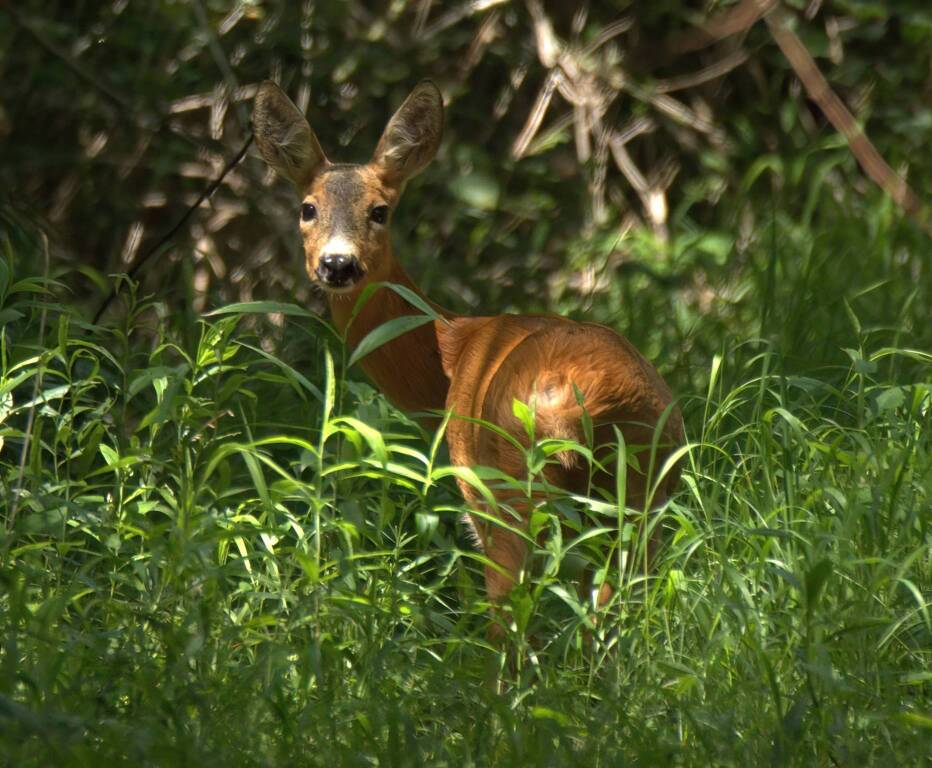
x,y
603,160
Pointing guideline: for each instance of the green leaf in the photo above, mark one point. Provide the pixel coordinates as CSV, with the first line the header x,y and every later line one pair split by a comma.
x,y
289,372
386,333
372,436
426,524
110,456
525,415
621,473
861,365
522,607
6,405
853,318
148,375
815,582
718,245
918,719
470,477
770,163
167,388
263,308
329,394
258,478
889,399
585,418
477,190
412,297
415,300
545,713
10,315
271,307
86,458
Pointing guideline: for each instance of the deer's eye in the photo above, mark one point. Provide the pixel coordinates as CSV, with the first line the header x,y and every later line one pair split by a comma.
x,y
308,212
379,214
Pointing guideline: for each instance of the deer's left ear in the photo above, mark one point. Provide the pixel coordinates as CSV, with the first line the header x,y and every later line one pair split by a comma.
x,y
412,136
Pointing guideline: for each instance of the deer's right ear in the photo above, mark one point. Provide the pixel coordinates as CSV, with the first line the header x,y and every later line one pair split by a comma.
x,y
284,136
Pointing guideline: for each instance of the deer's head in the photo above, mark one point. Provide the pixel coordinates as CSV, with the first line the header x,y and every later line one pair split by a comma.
x,y
345,209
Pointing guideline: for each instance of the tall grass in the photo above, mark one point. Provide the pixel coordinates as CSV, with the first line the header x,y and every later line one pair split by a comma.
x,y
217,551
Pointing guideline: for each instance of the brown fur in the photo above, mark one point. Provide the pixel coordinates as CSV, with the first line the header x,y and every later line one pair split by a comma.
x,y
407,369
475,367
491,361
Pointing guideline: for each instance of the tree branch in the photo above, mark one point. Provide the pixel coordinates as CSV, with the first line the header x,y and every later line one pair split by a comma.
x,y
208,191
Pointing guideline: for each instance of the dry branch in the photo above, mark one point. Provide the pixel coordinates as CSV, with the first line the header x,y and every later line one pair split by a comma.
x,y
838,115
743,17
721,67
455,15
536,115
726,24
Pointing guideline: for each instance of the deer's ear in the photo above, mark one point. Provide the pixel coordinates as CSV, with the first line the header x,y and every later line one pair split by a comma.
x,y
284,136
412,136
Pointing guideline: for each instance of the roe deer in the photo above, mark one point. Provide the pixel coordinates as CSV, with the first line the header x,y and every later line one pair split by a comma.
x,y
475,367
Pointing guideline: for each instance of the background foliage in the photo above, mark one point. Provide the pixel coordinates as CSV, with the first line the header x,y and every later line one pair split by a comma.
x,y
220,545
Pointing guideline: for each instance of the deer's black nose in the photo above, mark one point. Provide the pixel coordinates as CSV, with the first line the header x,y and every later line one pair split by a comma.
x,y
338,269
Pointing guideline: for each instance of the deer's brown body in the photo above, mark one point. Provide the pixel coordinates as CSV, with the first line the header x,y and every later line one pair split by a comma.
x,y
408,369
475,367
554,363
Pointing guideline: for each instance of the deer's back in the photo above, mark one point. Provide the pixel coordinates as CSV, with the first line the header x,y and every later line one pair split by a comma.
x,y
491,361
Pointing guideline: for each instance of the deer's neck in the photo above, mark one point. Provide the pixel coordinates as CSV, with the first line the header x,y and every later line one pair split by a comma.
x,y
408,369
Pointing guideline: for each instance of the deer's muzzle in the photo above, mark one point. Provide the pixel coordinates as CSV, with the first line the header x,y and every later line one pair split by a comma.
x,y
338,270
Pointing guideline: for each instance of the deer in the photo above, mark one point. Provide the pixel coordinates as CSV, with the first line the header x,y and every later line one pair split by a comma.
x,y
573,373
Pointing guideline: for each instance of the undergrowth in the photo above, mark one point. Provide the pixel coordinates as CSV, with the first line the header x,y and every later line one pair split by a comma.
x,y
212,554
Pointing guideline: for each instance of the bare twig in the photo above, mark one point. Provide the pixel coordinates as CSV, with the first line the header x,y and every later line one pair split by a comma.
x,y
599,176
536,116
459,13
204,100
812,9
608,34
679,112
582,128
731,22
652,197
634,128
223,64
487,32
628,168
548,45
721,67
157,246
545,137
420,20
871,161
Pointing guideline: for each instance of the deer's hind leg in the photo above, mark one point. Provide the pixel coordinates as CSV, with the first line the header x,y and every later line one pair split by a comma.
x,y
507,552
